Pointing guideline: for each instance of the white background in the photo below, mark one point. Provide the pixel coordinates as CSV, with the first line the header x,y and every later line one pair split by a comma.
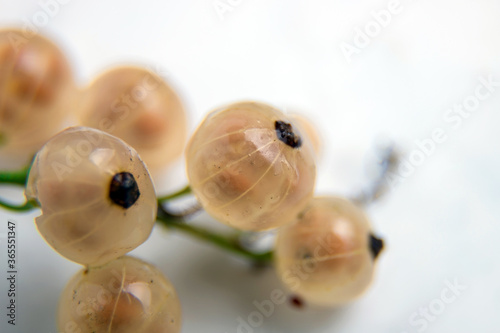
x,y
440,224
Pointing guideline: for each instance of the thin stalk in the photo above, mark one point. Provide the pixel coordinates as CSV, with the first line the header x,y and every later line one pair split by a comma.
x,y
224,242
17,177
164,217
184,191
27,206
389,160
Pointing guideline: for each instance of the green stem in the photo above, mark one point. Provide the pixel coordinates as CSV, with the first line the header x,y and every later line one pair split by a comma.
x,y
226,243
184,191
18,177
27,206
230,244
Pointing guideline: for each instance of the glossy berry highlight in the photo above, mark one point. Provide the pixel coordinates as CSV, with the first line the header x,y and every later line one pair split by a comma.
x,y
98,201
249,167
327,257
125,295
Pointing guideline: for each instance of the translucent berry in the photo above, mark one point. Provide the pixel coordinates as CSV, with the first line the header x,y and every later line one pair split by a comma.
x,y
97,198
137,106
249,166
125,295
327,256
37,92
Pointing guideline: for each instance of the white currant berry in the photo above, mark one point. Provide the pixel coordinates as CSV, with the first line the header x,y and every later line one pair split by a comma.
x,y
36,92
249,167
327,256
125,295
97,199
140,108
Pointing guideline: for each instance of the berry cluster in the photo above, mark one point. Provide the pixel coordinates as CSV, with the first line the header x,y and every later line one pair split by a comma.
x,y
249,165
97,198
37,91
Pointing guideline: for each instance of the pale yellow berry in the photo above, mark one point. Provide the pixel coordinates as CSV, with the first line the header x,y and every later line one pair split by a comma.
x,y
125,295
97,199
37,92
327,255
140,108
249,166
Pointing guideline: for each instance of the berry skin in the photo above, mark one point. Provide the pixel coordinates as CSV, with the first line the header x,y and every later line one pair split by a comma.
x,y
36,92
125,295
97,199
249,166
308,130
327,256
140,108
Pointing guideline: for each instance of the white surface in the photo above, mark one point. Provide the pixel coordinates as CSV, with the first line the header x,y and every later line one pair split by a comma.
x,y
441,224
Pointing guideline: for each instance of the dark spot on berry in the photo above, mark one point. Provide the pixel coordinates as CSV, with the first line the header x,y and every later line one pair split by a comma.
x,y
123,189
376,245
306,256
285,133
296,301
